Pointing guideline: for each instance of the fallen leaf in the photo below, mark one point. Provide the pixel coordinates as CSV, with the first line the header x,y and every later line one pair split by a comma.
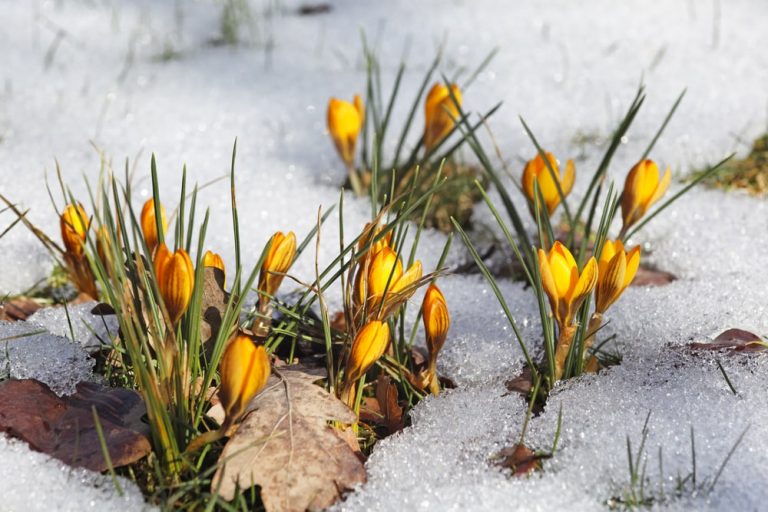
x,y
732,341
520,459
647,276
214,303
286,446
522,384
391,412
314,9
18,309
63,427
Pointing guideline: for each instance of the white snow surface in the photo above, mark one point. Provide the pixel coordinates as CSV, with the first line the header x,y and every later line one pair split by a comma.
x,y
82,74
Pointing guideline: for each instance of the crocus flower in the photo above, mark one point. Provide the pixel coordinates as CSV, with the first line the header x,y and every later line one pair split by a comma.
x,y
282,251
616,270
245,369
563,284
536,170
369,345
387,268
436,323
148,224
74,225
211,259
175,280
440,113
641,189
345,120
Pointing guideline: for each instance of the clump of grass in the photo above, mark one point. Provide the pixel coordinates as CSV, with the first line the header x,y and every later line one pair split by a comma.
x,y
749,173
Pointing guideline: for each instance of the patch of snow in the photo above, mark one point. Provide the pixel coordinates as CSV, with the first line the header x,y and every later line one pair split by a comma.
x,y
27,351
32,482
89,330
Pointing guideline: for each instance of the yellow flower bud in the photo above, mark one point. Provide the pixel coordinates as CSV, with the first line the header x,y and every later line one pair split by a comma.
x,y
536,171
369,345
385,268
371,231
211,259
641,189
436,319
282,251
616,270
104,245
148,224
245,369
175,280
74,225
345,120
440,113
563,284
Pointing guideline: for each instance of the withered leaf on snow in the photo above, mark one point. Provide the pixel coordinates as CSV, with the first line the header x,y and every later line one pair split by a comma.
x,y
286,446
732,341
63,427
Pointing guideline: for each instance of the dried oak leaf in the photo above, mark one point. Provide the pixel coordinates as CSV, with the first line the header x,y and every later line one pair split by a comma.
x,y
732,341
63,427
386,396
286,446
214,303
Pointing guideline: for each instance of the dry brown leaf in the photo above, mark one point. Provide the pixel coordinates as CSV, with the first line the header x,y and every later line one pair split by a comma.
x,y
386,396
647,276
286,446
63,427
520,459
732,341
214,303
18,309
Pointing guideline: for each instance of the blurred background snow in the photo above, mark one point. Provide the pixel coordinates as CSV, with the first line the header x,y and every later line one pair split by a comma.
x,y
82,80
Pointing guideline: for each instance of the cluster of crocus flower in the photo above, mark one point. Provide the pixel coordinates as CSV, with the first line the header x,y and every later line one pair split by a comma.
x,y
74,224
345,121
609,273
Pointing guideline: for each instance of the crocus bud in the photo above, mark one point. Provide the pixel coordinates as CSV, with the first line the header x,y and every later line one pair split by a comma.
x,y
175,280
211,259
436,319
74,225
536,170
104,245
282,251
563,284
148,224
369,345
440,113
370,232
345,120
641,189
616,270
245,369
385,268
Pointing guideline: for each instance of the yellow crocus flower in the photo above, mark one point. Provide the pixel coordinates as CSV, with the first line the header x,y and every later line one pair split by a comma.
x,y
148,224
387,268
282,251
211,259
642,188
440,113
436,323
369,345
245,369
175,280
345,120
536,171
616,270
74,225
563,284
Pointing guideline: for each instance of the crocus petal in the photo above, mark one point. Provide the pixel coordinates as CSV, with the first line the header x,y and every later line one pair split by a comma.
x,y
633,263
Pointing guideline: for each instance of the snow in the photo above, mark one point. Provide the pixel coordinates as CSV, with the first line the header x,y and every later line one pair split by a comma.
x,y
569,70
79,324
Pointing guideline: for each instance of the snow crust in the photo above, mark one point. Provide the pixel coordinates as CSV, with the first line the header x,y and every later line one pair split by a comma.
x,y
571,71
